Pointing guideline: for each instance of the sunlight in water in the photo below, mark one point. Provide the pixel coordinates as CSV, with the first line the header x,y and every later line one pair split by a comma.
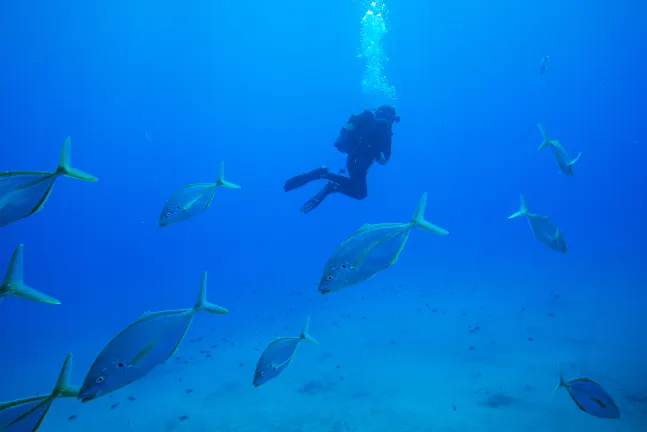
x,y
372,51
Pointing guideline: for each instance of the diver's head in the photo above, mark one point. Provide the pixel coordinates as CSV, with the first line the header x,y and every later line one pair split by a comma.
x,y
387,112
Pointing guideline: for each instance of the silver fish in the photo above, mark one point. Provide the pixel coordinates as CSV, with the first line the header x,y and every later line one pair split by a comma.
x,y
142,346
544,65
542,227
371,249
278,355
26,415
13,285
564,162
192,199
24,193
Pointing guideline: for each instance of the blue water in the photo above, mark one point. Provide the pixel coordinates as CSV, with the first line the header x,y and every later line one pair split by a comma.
x,y
463,333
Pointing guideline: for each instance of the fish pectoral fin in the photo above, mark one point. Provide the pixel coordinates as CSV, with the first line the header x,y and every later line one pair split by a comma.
x,y
142,353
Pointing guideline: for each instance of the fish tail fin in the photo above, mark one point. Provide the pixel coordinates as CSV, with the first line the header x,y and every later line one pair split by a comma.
x,y
221,178
523,208
65,165
305,333
561,382
547,141
576,159
40,405
202,304
14,285
418,219
63,387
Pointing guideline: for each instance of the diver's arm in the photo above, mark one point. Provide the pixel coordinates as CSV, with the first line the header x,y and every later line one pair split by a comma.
x,y
385,134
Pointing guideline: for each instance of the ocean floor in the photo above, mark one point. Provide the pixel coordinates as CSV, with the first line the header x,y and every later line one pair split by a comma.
x,y
393,356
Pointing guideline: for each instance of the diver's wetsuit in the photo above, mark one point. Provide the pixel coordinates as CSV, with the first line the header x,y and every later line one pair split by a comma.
x,y
366,139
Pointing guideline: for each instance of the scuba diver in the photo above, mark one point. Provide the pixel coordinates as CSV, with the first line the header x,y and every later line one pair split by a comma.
x,y
366,138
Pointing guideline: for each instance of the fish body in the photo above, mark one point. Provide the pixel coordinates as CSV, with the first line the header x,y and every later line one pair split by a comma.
x,y
590,397
27,415
371,249
564,161
141,347
544,65
192,200
278,355
24,193
13,284
542,228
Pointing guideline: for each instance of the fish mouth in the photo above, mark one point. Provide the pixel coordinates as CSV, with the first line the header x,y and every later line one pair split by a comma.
x,y
86,398
323,291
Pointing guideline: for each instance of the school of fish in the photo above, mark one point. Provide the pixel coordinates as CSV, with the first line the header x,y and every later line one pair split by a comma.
x,y
153,338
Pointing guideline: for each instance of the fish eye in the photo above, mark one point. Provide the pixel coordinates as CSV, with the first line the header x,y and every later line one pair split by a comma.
x,y
344,266
99,380
168,214
262,374
329,277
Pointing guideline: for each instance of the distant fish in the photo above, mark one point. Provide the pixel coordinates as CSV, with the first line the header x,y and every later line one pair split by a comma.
x,y
192,199
13,285
24,193
142,346
564,162
27,414
371,249
278,355
590,397
542,228
543,65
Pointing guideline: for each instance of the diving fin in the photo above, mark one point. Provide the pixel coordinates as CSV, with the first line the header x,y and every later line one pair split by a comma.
x,y
303,179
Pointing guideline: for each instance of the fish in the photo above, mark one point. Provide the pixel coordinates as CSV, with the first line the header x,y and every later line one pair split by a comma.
x,y
543,65
192,199
542,227
141,347
13,285
23,193
564,161
371,249
278,355
590,397
27,414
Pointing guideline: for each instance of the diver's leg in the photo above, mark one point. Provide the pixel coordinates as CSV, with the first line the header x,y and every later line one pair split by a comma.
x,y
303,179
355,188
314,202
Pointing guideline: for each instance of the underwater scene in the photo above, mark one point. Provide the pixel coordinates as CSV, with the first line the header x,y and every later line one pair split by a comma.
x,y
323,216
